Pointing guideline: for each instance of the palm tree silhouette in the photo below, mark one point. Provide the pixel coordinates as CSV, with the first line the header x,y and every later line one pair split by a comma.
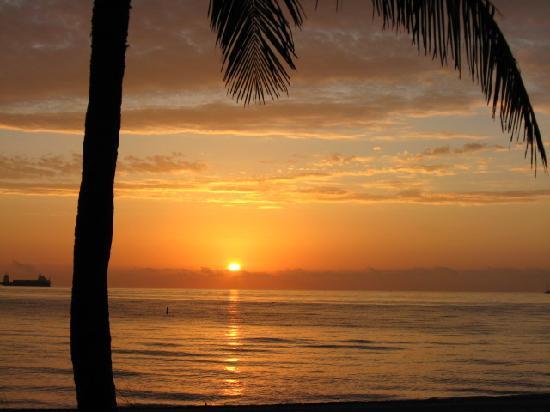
x,y
256,40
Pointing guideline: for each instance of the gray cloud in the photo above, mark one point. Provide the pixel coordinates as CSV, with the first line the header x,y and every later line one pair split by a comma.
x,y
472,147
503,279
290,118
344,61
435,151
464,149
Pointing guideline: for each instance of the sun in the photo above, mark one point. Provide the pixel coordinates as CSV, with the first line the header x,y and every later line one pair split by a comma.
x,y
234,267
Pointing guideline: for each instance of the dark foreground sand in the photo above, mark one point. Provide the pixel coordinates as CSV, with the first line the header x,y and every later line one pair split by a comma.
x,y
517,403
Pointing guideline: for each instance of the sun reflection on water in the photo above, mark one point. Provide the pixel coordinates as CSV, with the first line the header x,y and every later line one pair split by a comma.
x,y
232,385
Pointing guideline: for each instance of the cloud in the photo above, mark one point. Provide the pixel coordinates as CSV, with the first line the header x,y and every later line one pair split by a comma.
x,y
173,163
435,151
281,190
462,198
395,194
354,85
337,159
173,48
49,166
22,167
289,118
502,279
464,149
334,178
472,147
350,75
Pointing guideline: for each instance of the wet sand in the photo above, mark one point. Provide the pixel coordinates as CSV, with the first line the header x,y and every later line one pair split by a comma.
x,y
516,403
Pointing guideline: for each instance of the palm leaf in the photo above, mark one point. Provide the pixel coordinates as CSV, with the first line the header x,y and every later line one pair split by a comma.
x,y
447,29
257,45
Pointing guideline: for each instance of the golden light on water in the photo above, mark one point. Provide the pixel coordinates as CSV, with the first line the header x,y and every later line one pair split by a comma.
x,y
232,384
234,267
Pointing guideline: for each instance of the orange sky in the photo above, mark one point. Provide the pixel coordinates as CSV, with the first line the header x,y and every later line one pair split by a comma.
x,y
377,158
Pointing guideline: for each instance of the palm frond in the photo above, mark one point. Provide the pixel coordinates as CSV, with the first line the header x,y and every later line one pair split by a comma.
x,y
257,45
446,29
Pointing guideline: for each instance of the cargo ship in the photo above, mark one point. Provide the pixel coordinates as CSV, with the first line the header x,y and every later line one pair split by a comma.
x,y
41,281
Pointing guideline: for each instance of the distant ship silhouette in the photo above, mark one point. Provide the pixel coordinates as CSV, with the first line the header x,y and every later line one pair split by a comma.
x,y
41,281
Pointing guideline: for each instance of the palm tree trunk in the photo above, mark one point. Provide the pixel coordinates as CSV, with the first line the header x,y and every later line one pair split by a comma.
x,y
90,334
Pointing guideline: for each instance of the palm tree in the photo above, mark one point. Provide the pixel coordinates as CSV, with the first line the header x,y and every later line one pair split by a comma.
x,y
90,332
256,40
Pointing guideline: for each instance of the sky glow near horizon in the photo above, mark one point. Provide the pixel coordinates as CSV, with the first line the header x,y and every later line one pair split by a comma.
x,y
377,158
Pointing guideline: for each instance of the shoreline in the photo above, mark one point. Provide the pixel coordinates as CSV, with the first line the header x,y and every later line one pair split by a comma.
x,y
512,403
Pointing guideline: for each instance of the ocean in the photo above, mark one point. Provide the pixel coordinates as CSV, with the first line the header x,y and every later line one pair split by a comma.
x,y
252,347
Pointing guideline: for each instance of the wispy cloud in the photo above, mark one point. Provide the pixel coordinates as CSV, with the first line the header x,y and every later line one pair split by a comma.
x,y
22,167
149,178
173,163
464,149
48,166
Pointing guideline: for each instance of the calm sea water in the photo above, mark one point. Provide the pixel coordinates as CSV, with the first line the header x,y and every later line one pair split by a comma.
x,y
228,346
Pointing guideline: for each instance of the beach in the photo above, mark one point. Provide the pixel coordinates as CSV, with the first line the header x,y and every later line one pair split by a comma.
x,y
517,403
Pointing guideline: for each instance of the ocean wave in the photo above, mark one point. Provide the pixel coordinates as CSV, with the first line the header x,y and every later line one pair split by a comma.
x,y
160,344
362,347
39,370
153,395
157,352
271,340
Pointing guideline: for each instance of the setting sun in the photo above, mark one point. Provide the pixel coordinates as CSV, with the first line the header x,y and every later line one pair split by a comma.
x,y
234,267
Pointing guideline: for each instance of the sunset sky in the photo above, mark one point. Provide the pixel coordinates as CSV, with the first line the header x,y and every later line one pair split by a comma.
x,y
378,158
